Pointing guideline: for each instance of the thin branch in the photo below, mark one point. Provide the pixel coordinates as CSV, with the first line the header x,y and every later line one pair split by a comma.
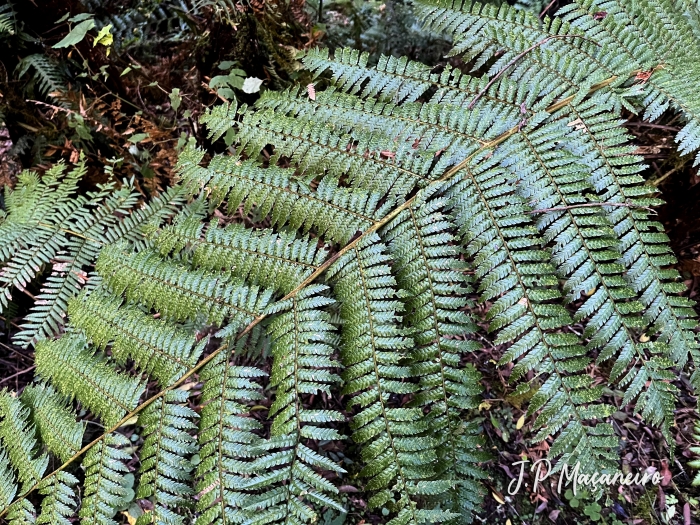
x,y
549,6
320,270
17,374
650,125
515,59
594,205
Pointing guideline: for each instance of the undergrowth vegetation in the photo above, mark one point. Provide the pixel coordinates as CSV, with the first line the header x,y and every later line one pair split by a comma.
x,y
329,262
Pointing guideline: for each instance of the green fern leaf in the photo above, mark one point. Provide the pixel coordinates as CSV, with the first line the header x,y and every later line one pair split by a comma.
x,y
226,434
517,276
165,467
179,293
162,350
332,211
105,486
73,370
402,456
55,421
21,513
8,486
17,433
60,501
276,261
427,267
302,345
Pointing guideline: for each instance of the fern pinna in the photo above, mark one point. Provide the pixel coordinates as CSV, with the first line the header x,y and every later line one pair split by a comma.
x,y
393,196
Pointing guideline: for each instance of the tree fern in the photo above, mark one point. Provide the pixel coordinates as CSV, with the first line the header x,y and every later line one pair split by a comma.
x,y
406,187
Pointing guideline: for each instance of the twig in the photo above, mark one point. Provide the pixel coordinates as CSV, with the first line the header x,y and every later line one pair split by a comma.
x,y
650,125
547,8
512,63
18,374
592,205
660,180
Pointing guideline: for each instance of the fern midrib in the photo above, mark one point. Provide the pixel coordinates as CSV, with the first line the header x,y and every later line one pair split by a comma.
x,y
220,441
378,382
99,482
319,271
161,416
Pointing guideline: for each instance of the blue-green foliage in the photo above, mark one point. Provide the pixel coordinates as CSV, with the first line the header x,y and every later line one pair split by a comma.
x,y
411,190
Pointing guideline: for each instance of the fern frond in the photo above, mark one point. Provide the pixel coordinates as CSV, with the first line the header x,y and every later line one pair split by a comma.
x,y
219,118
17,434
302,345
400,460
7,15
165,468
401,81
586,252
426,266
60,501
54,420
8,487
74,371
32,233
105,487
315,147
162,350
334,212
21,513
66,231
278,261
48,76
443,130
515,273
601,143
179,293
226,435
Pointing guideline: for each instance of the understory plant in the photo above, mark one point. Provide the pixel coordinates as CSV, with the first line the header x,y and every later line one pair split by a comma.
x,y
391,194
